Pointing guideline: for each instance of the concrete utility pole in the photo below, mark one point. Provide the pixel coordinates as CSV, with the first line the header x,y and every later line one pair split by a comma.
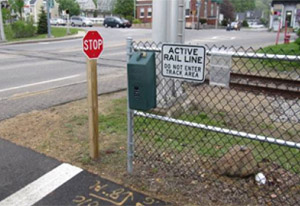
x,y
217,16
159,21
2,34
48,18
168,25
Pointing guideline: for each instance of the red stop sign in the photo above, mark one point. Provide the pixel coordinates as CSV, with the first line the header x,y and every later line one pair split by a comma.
x,y
92,44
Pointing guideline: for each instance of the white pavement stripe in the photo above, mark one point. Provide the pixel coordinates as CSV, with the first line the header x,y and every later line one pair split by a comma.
x,y
41,187
26,65
39,83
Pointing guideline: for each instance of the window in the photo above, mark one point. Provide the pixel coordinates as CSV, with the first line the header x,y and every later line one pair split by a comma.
x,y
212,10
149,11
187,7
142,12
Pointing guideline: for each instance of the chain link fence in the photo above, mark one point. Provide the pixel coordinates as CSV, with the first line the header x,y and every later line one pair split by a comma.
x,y
235,137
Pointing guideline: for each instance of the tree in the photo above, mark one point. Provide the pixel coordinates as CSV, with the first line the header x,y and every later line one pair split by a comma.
x,y
124,8
227,10
242,5
17,5
71,5
42,24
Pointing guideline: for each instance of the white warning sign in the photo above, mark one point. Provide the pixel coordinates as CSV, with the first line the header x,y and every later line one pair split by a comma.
x,y
183,62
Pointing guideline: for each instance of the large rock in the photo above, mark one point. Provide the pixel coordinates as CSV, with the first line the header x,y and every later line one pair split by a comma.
x,y
237,162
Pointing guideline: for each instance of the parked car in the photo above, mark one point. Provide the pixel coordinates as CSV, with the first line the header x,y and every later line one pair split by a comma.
x,y
58,21
80,21
113,21
126,22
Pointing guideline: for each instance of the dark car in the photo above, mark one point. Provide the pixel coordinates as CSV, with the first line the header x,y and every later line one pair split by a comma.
x,y
126,22
113,22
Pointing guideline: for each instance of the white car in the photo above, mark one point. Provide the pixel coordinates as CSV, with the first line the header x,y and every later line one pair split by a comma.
x,y
58,21
80,21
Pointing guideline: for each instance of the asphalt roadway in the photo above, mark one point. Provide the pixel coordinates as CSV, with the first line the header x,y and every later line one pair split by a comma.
x,y
39,75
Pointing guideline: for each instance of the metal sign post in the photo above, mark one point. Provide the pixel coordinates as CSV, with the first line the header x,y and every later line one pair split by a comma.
x,y
92,48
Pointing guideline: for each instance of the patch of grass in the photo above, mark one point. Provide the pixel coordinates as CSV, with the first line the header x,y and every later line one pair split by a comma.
x,y
55,31
115,122
279,65
80,120
285,49
166,135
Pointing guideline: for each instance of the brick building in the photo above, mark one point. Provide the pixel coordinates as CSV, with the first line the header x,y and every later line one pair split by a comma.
x,y
144,10
208,10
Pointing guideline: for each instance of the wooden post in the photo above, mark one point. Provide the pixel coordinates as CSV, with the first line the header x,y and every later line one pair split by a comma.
x,y
93,107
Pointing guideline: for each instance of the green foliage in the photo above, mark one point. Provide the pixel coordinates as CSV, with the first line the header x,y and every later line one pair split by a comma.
x,y
245,23
298,42
242,5
42,24
224,22
17,5
203,21
129,18
264,21
72,5
263,5
5,14
95,14
21,29
124,7
298,32
136,21
9,34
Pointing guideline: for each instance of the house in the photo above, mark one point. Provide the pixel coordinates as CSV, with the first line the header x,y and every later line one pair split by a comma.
x,y
209,10
33,9
250,16
87,7
284,12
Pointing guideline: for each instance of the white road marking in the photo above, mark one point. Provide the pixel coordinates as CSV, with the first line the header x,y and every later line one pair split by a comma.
x,y
41,187
39,83
232,38
28,64
215,37
43,42
113,54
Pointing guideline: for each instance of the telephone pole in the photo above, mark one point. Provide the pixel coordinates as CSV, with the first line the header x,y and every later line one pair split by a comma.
x,y
2,34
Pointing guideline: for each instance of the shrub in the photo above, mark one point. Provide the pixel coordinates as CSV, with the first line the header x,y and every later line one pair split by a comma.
x,y
264,21
129,18
245,23
9,34
224,22
298,33
42,24
21,29
136,21
298,41
203,21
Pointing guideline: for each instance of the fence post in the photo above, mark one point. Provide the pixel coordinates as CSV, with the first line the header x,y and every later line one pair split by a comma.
x,y
130,141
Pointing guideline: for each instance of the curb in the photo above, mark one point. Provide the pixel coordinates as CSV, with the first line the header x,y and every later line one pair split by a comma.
x,y
77,36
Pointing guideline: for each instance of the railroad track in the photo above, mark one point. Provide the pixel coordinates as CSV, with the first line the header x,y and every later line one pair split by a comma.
x,y
289,89
276,86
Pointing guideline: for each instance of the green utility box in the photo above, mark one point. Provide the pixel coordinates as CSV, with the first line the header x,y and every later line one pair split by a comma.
x,y
142,81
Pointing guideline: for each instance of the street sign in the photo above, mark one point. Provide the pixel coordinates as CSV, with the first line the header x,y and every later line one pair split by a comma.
x,y
183,62
92,44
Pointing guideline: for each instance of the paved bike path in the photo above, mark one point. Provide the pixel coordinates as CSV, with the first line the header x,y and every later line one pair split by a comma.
x,y
30,178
